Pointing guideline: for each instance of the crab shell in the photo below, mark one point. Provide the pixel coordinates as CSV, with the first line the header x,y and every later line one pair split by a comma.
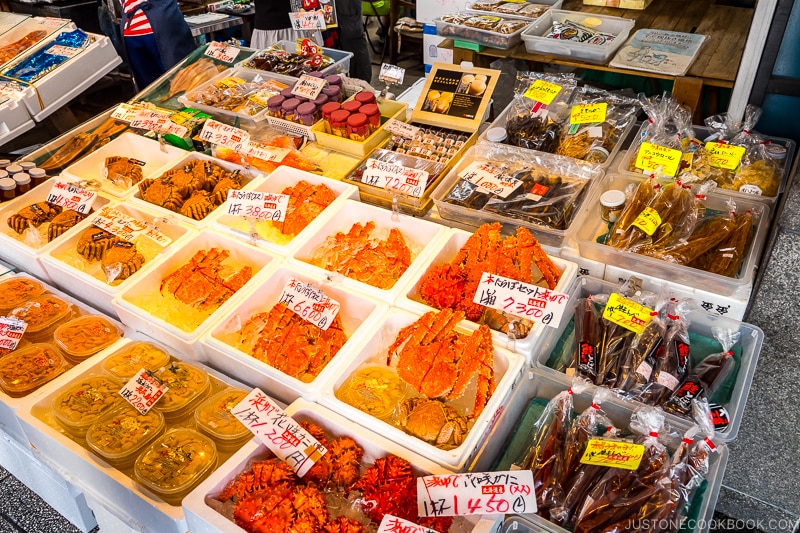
x,y
62,222
198,206
184,180
121,261
33,215
433,421
123,166
161,192
94,241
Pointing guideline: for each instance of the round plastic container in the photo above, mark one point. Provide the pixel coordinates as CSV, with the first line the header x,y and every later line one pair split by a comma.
x,y
17,291
175,463
187,384
214,418
128,360
120,436
43,314
26,369
86,335
85,401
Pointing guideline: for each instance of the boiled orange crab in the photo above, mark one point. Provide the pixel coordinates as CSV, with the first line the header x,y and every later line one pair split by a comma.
x,y
121,261
123,170
94,241
33,215
161,192
62,222
306,202
223,186
198,205
432,421
340,466
262,474
201,283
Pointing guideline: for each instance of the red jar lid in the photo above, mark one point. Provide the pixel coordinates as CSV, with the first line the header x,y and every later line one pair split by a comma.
x,y
341,115
331,107
370,110
357,120
352,106
365,97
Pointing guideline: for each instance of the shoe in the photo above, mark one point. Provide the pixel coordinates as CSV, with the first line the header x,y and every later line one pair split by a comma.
x,y
381,32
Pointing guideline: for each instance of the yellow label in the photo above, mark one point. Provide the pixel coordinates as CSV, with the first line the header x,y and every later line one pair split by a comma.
x,y
648,220
652,156
687,160
613,453
627,313
588,113
230,81
725,156
543,91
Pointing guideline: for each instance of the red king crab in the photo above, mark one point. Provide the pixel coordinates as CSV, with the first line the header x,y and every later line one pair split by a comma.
x,y
200,282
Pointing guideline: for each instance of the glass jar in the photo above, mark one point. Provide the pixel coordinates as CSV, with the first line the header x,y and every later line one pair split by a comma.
x,y
4,163
27,165
612,202
13,169
334,80
352,106
496,135
320,100
8,189
373,116
289,109
274,105
365,97
38,175
357,127
333,92
306,113
327,109
339,122
23,183
287,93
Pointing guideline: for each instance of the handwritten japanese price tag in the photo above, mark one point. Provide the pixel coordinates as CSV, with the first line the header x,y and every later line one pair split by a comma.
x,y
490,178
723,155
266,153
11,331
402,179
394,524
221,134
648,220
143,390
613,453
391,73
543,91
401,128
279,432
152,121
524,300
652,156
588,113
308,20
125,112
310,303
308,87
222,52
126,227
627,313
51,21
71,196
60,50
476,493
258,205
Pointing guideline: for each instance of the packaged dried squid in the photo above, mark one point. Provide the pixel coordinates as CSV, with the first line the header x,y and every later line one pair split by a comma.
x,y
538,109
758,172
726,256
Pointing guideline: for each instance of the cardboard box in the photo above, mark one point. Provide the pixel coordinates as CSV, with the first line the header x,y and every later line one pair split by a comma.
x,y
431,51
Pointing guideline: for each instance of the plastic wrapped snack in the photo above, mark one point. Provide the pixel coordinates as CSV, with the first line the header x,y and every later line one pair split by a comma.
x,y
489,30
668,125
274,149
238,95
539,107
522,9
726,257
435,144
568,30
276,59
433,168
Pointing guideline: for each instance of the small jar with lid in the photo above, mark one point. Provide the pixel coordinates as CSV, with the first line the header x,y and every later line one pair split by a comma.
x,y
373,116
38,176
352,107
4,163
597,154
274,105
320,100
306,113
365,97
13,169
357,127
612,202
289,109
333,92
3,174
27,165
8,189
496,135
327,109
334,80
287,93
23,183
315,74
339,122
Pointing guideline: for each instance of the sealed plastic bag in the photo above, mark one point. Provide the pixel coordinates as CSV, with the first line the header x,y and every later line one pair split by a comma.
x,y
758,173
726,256
539,106
637,367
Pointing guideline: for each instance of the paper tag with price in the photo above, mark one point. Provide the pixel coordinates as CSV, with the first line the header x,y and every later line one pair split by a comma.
x,y
143,390
279,432
401,128
125,112
308,87
222,52
50,21
391,73
627,313
613,453
272,154
11,331
652,156
71,196
487,177
126,227
60,50
394,524
409,181
476,493
588,113
727,156
157,122
258,205
221,134
308,20
310,303
524,300
543,91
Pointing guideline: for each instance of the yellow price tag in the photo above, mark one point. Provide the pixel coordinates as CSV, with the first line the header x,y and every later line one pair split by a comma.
x,y
725,156
588,113
543,91
648,220
627,313
613,453
652,156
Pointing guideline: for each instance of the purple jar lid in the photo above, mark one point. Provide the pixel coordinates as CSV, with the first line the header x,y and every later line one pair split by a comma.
x,y
334,79
307,108
315,74
290,104
287,93
276,100
332,91
321,100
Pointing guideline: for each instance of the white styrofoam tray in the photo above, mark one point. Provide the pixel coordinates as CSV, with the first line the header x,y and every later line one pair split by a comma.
x,y
48,25
421,237
14,119
412,301
153,154
281,178
186,342
507,370
9,20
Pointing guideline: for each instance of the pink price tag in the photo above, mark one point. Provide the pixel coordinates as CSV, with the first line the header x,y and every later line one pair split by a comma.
x,y
476,493
221,134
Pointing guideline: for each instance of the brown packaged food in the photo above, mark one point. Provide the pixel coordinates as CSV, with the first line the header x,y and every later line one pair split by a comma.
x,y
644,194
726,257
27,369
18,290
42,314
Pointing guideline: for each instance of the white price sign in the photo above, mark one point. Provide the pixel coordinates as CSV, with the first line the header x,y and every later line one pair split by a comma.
x,y
51,21
223,52
308,87
126,227
279,432
408,181
152,121
476,493
258,205
125,112
272,154
391,73
308,20
521,299
401,128
310,303
60,50
71,196
394,524
11,331
490,178
143,390
221,134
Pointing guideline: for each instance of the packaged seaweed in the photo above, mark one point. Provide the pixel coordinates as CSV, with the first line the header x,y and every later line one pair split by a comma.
x,y
588,314
638,199
539,107
726,256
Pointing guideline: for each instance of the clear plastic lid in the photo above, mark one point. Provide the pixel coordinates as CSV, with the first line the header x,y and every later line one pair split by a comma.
x,y
26,369
186,383
85,401
16,291
128,360
121,435
86,335
42,313
214,417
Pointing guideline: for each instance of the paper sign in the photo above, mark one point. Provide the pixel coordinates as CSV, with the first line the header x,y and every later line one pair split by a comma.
x,y
652,156
51,21
266,153
487,177
394,524
125,112
258,205
221,134
723,155
308,87
476,493
279,432
126,227
751,189
521,299
627,313
613,453
648,220
391,73
143,390
402,179
310,303
588,113
60,50
71,196
152,121
543,91
308,20
222,52
401,128
11,331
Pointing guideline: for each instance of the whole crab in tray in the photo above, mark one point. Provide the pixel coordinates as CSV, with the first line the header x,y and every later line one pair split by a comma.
x,y
33,215
432,421
201,284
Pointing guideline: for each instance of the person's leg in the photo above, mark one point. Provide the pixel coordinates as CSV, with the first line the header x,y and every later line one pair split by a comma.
x,y
360,63
144,59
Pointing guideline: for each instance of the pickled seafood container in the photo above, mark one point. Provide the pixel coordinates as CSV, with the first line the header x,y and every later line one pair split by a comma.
x,y
38,30
222,344
373,354
86,335
73,272
153,158
175,322
26,369
43,314
420,236
456,239
214,418
16,290
270,237
124,363
15,119
188,385
121,435
84,401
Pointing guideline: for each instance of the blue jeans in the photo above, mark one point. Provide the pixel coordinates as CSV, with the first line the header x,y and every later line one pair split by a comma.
x,y
144,59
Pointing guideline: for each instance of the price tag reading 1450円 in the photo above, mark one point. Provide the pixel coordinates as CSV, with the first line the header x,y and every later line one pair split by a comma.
x,y
258,205
476,493
143,391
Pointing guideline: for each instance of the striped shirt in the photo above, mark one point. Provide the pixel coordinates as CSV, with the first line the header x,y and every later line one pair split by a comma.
x,y
139,25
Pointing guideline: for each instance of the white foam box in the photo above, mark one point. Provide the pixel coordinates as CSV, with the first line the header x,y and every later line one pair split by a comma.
x,y
507,370
14,119
86,279
420,235
27,255
153,154
9,20
248,177
187,342
281,178
411,300
358,314
48,25
201,518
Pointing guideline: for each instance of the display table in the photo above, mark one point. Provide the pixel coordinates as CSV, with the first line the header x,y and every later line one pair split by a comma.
x,y
212,26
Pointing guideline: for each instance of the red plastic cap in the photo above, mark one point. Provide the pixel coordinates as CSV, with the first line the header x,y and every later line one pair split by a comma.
x,y
357,120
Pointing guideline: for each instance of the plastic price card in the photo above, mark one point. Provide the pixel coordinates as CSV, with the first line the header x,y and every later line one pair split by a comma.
x,y
613,453
60,50
160,123
627,313
143,390
394,524
71,196
520,299
543,91
272,154
308,87
11,331
727,156
487,177
652,156
391,73
221,134
408,181
125,112
401,128
258,205
222,52
476,493
588,113
310,303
